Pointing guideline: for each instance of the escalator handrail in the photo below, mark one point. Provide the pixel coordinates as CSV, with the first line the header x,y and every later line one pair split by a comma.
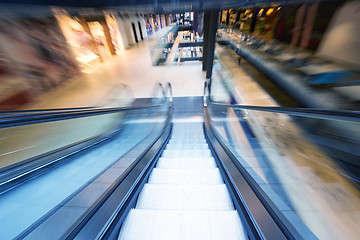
x,y
21,120
38,112
206,93
110,213
100,213
342,115
352,116
35,164
15,112
57,116
272,225
170,91
158,87
27,112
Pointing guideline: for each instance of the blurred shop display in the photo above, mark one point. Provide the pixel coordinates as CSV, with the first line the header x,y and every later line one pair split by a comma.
x,y
114,30
300,24
35,59
98,35
79,38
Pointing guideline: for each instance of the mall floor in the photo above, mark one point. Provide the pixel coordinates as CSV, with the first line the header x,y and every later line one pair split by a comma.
x,y
134,68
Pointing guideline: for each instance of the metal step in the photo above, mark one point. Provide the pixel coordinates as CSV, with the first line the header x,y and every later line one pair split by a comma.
x,y
186,153
186,163
185,197
175,146
187,141
185,176
182,225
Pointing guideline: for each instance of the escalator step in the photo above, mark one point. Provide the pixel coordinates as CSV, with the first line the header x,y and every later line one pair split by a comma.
x,y
187,141
185,176
186,163
192,137
175,146
186,153
185,197
182,225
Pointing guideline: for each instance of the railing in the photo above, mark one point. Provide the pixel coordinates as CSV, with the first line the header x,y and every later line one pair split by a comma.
x,y
298,72
103,103
74,152
12,119
170,91
34,133
301,163
14,112
341,115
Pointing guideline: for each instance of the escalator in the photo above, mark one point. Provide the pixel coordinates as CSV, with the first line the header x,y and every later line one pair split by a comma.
x,y
56,164
185,196
164,168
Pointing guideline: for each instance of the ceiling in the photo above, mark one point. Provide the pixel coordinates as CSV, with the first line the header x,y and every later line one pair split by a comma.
x,y
151,6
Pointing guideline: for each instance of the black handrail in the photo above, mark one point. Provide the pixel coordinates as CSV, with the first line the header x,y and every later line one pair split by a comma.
x,y
206,88
38,112
351,116
13,112
42,118
161,87
169,89
342,115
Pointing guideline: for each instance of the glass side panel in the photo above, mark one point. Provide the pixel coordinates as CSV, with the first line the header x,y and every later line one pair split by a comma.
x,y
61,196
121,95
230,77
220,85
308,168
20,143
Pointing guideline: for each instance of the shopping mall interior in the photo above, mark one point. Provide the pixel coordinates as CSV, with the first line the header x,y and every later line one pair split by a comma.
x,y
186,119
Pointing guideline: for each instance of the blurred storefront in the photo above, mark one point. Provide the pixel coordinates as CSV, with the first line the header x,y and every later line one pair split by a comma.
x,y
39,54
260,22
149,25
300,25
34,59
93,39
98,35
156,22
80,41
115,33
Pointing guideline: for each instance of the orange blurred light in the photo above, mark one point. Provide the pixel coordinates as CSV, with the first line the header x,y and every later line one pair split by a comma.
x,y
269,12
